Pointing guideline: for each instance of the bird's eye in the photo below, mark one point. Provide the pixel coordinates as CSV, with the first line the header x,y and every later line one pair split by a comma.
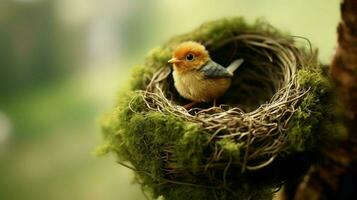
x,y
189,56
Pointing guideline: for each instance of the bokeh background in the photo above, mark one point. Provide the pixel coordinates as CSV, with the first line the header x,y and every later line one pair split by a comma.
x,y
62,62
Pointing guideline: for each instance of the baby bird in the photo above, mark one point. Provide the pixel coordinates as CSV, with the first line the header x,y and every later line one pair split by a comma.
x,y
197,77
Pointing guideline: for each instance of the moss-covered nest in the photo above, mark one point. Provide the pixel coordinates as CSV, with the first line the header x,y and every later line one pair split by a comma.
x,y
278,109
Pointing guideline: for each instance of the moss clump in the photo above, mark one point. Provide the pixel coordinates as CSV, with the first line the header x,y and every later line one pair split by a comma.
x,y
314,124
230,148
175,158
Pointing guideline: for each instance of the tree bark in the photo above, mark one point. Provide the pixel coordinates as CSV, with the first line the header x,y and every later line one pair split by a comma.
x,y
337,178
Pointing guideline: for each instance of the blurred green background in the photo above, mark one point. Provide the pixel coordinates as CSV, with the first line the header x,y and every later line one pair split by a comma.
x,y
62,63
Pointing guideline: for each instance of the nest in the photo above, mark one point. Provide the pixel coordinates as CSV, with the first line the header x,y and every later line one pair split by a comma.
x,y
269,72
277,106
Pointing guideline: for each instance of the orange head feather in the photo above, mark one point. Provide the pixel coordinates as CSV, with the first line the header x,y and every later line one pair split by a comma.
x,y
188,56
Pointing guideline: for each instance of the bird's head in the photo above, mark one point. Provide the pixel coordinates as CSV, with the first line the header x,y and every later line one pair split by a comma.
x,y
189,56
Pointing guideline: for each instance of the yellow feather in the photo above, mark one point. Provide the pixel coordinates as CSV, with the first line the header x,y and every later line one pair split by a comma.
x,y
193,86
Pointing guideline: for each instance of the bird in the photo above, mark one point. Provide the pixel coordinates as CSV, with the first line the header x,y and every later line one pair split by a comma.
x,y
197,77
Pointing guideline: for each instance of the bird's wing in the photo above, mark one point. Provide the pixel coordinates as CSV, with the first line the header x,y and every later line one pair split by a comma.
x,y
214,70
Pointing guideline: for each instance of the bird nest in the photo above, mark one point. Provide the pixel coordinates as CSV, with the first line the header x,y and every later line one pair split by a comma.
x,y
268,75
278,104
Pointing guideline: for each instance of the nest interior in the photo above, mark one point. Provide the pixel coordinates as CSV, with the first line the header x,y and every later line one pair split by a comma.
x,y
280,104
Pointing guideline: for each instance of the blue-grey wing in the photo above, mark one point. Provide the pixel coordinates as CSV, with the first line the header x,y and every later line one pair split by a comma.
x,y
214,70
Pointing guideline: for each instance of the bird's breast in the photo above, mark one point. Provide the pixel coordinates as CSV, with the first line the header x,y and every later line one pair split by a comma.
x,y
194,86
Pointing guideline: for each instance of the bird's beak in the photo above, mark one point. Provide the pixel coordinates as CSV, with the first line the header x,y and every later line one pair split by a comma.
x,y
174,60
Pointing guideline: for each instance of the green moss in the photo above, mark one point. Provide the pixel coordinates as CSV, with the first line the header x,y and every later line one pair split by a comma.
x,y
313,125
155,143
157,57
190,149
230,148
139,77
